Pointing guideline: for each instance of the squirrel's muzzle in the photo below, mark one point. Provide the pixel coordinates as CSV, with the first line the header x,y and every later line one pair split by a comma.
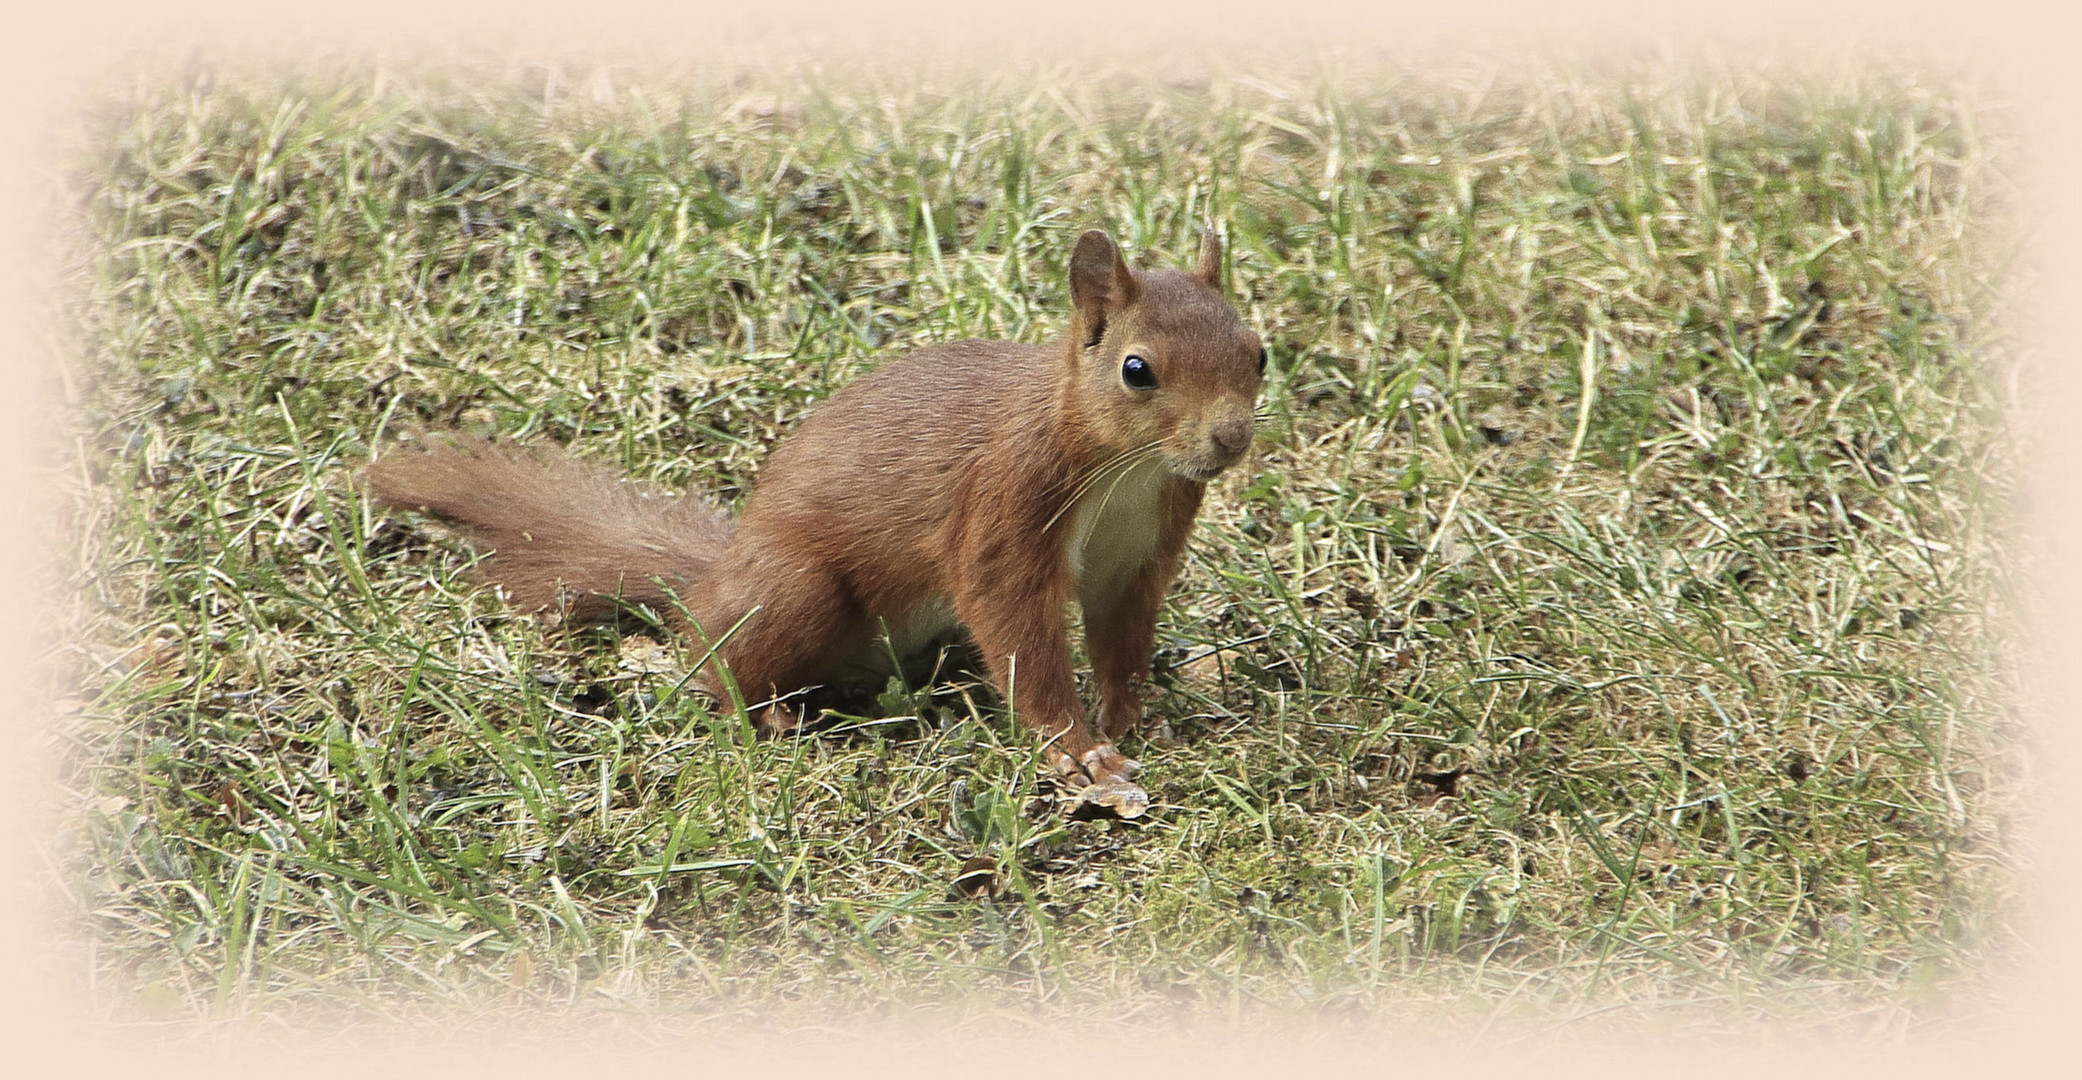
x,y
1231,437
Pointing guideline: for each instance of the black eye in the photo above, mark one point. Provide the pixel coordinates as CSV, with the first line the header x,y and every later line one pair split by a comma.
x,y
1135,372
1261,361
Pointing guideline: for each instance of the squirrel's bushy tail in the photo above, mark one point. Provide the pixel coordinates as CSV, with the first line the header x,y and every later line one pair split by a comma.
x,y
563,533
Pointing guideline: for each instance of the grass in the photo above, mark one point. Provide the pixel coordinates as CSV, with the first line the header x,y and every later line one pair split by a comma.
x,y
1612,616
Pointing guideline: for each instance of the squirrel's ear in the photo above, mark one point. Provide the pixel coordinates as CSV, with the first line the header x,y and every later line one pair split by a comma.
x,y
1209,269
1100,282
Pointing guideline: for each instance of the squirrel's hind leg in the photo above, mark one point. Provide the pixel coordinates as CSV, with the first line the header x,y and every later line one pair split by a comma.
x,y
786,640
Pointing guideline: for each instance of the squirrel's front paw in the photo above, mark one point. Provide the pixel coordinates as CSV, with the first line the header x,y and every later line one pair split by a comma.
x,y
1071,773
1101,781
1103,762
1110,788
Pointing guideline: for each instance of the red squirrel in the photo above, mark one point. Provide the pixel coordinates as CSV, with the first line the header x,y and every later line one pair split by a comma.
x,y
974,484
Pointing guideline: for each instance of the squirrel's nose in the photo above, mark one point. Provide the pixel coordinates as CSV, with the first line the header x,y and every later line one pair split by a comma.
x,y
1232,436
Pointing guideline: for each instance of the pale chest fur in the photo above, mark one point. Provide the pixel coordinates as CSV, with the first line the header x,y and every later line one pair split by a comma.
x,y
1113,531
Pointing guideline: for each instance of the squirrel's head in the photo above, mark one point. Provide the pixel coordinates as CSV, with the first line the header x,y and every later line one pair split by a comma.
x,y
1160,359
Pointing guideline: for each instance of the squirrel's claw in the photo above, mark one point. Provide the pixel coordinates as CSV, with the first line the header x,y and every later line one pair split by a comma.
x,y
1103,762
1070,772
1101,782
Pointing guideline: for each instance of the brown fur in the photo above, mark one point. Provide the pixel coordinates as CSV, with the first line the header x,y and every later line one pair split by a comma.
x,y
563,532
983,483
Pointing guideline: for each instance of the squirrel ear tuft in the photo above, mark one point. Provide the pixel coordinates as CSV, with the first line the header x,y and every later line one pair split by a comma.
x,y
1100,282
1097,272
1209,269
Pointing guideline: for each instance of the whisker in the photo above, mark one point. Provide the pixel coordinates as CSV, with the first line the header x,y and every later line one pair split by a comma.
x,y
1116,485
1084,484
1123,461
1120,464
1131,454
1091,476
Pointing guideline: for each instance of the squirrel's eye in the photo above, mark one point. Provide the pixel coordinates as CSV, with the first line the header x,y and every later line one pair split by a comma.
x,y
1136,373
1261,360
